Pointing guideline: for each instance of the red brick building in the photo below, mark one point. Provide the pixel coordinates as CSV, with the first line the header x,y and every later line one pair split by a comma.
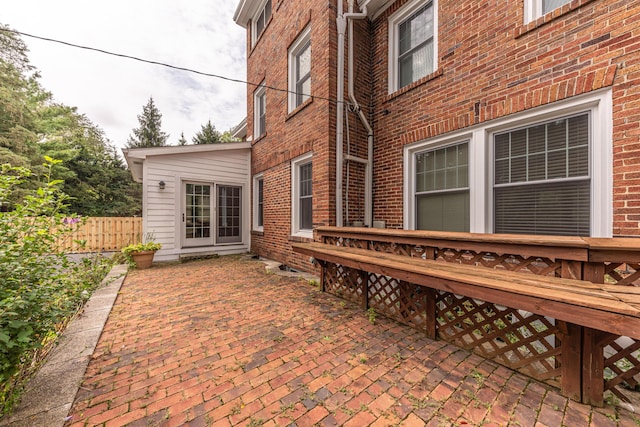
x,y
516,116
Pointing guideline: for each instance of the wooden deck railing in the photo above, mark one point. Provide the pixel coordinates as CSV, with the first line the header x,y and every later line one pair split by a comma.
x,y
104,234
521,340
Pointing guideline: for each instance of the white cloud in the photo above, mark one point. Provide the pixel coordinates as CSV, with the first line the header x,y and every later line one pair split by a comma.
x,y
111,91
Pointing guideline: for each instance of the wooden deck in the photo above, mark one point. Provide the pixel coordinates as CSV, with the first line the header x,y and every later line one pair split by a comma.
x,y
606,308
565,310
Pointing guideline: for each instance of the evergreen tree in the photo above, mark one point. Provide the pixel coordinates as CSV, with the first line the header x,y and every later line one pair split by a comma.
x,y
182,140
32,126
207,135
18,89
149,134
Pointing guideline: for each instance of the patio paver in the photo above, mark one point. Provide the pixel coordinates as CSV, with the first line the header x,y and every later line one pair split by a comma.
x,y
223,343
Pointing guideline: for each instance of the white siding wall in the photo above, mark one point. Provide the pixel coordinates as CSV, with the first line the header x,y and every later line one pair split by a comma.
x,y
162,209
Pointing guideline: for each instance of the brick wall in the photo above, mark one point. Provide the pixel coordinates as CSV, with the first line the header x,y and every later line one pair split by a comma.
x,y
492,65
289,135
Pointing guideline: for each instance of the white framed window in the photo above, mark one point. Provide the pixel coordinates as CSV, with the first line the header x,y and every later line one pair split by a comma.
x,y
541,179
533,9
258,202
300,70
442,188
302,196
259,111
260,21
412,43
544,171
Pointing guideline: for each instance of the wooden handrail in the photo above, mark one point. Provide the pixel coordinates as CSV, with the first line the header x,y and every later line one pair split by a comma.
x,y
570,248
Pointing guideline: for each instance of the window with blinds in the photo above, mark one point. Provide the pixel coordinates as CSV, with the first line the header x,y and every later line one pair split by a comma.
x,y
306,197
542,183
260,203
442,188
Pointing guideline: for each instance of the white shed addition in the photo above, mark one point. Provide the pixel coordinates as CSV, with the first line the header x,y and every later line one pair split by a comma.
x,y
195,198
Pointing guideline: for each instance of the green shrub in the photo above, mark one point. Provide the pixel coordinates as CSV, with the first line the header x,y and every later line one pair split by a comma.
x,y
40,288
141,247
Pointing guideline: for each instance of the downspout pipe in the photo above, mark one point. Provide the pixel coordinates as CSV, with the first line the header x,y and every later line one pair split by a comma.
x,y
368,186
341,24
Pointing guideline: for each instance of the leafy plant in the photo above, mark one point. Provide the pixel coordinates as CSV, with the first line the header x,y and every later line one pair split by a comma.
x,y
478,376
372,315
40,288
141,247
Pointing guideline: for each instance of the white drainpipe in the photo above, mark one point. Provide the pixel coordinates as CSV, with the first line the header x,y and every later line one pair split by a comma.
x,y
342,26
341,22
368,185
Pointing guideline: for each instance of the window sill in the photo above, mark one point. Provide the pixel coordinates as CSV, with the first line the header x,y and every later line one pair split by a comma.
x,y
260,138
549,17
299,108
414,85
301,238
257,232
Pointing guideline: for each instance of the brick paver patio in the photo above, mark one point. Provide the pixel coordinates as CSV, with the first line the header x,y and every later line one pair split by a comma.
x,y
221,342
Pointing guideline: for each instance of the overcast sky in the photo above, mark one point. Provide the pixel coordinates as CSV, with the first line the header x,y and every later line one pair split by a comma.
x,y
111,91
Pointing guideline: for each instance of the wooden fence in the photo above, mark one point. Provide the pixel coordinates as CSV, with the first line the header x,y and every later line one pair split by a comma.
x,y
104,234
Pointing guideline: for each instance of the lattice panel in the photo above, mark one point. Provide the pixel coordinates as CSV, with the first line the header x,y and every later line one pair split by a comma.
x,y
384,295
349,243
393,248
402,301
519,340
622,367
522,341
537,265
333,241
344,282
624,274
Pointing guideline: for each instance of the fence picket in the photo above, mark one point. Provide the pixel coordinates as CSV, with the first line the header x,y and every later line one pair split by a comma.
x,y
104,234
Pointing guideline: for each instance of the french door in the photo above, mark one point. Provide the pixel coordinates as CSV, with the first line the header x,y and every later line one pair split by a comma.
x,y
196,218
229,221
211,211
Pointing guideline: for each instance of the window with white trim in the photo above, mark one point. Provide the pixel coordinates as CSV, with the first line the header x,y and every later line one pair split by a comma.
x,y
260,111
545,171
260,21
302,196
541,178
258,202
442,188
412,43
300,70
533,9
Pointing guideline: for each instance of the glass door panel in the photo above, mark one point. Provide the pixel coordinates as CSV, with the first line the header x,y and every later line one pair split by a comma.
x,y
196,217
229,228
